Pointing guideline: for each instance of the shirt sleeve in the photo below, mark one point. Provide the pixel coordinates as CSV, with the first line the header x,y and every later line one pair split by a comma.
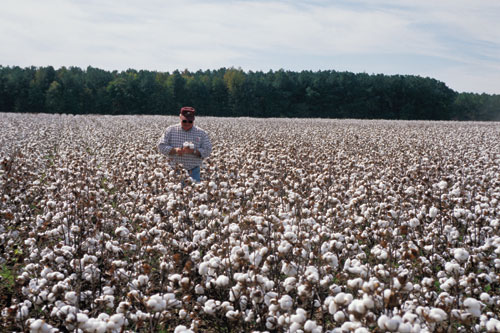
x,y
165,143
205,146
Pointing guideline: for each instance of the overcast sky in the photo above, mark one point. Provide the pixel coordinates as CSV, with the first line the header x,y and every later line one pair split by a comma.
x,y
454,41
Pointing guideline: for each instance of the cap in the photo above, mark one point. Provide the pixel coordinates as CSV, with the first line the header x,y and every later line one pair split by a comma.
x,y
188,112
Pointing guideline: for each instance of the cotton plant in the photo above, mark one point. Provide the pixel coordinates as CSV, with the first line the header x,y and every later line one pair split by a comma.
x,y
347,232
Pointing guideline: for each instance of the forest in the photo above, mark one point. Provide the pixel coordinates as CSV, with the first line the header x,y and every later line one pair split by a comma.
x,y
232,92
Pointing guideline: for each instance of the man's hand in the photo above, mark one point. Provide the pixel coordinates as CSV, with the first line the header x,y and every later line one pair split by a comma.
x,y
187,150
176,151
184,150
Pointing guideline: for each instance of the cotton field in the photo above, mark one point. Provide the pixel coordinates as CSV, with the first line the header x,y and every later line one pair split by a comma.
x,y
298,226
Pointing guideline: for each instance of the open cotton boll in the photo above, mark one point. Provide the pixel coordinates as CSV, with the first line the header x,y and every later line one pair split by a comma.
x,y
122,231
203,268
116,322
286,302
71,297
311,326
357,306
486,298
433,212
343,298
222,281
156,303
414,222
461,255
182,329
284,247
210,307
473,306
299,316
339,316
312,274
443,185
437,315
40,326
493,325
452,268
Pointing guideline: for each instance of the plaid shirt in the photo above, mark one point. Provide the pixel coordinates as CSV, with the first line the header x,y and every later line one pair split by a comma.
x,y
175,137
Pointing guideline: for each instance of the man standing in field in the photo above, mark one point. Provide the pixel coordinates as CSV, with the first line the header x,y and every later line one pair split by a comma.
x,y
186,144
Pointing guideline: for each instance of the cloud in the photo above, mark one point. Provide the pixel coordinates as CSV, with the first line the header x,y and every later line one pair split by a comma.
x,y
444,39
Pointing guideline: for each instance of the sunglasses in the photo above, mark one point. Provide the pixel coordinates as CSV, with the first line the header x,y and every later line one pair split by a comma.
x,y
187,121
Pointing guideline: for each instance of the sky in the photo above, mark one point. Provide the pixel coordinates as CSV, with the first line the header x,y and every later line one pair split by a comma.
x,y
453,41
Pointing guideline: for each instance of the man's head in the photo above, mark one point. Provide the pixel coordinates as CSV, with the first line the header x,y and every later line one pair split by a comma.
x,y
187,117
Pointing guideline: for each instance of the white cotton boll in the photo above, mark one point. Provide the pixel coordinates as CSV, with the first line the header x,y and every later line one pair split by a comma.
x,y
175,277
410,190
222,281
339,316
368,301
232,315
82,318
486,298
286,302
382,320
473,306
452,268
332,307
289,269
311,326
433,212
414,222
461,255
299,317
182,329
210,306
37,325
122,232
356,283
393,323
350,326
437,314
405,328
284,247
312,274
343,298
493,325
443,185
116,321
23,312
142,280
357,306
294,327
203,268
156,303
289,283
214,262
361,330
331,259
448,284
71,297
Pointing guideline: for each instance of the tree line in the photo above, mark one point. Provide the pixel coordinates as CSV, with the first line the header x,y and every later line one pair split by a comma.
x,y
231,92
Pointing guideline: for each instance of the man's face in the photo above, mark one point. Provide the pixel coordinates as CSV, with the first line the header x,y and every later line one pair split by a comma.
x,y
185,123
